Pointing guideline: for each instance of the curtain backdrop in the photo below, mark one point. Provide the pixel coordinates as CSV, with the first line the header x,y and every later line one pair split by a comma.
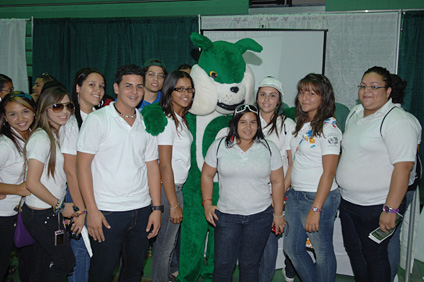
x,y
411,68
12,55
63,46
355,42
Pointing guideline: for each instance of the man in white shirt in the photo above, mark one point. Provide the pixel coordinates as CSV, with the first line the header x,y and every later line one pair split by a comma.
x,y
118,174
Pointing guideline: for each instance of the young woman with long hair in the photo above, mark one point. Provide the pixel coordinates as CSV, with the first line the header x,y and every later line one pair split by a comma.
x,y
313,199
88,90
17,111
174,163
44,209
277,128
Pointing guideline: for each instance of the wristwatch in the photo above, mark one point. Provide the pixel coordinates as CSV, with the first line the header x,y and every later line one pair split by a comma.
x,y
388,209
157,208
315,209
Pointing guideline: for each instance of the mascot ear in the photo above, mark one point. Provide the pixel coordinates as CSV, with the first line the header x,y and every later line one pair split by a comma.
x,y
248,44
201,41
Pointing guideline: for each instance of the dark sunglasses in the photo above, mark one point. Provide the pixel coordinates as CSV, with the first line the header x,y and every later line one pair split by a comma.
x,y
243,108
57,108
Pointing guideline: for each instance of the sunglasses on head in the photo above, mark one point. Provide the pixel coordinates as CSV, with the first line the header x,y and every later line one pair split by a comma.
x,y
57,108
243,108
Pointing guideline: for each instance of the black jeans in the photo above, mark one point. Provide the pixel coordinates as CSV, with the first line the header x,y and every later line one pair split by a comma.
x,y
7,230
369,260
127,237
49,262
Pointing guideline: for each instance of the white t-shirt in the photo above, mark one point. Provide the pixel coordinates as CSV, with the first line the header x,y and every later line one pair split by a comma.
x,y
417,127
69,135
38,148
244,176
11,172
367,162
119,165
181,145
307,155
282,141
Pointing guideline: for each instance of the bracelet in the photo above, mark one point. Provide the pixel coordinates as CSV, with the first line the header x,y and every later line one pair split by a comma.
x,y
174,207
206,200
60,206
81,212
279,216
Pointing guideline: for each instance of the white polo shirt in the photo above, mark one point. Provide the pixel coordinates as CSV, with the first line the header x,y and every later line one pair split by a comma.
x,y
282,141
119,165
69,135
417,127
11,172
180,140
38,148
244,176
307,155
367,162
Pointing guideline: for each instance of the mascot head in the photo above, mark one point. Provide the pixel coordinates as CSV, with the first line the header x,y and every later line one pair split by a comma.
x,y
221,78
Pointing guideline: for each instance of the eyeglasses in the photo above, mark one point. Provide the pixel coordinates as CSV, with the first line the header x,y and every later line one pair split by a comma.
x,y
151,74
58,108
371,87
7,90
243,108
182,89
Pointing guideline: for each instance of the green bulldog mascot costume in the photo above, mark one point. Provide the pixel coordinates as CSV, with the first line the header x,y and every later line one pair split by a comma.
x,y
222,81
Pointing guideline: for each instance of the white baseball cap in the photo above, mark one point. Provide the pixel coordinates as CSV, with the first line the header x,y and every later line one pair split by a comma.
x,y
272,82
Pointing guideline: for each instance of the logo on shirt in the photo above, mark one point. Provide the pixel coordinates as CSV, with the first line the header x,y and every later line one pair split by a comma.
x,y
333,140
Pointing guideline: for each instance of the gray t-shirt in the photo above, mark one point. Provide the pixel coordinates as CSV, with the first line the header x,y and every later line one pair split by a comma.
x,y
244,176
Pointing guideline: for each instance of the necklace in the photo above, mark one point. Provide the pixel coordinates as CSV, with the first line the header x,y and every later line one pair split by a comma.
x,y
125,116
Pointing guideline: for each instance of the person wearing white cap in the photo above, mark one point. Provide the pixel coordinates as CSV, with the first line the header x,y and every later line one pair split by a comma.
x,y
278,129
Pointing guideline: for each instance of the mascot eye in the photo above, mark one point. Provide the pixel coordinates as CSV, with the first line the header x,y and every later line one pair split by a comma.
x,y
213,74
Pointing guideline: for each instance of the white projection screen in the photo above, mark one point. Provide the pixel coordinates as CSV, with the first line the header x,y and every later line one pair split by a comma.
x,y
288,55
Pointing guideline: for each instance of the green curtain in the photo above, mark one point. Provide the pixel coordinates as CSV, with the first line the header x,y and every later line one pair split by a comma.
x,y
62,46
411,68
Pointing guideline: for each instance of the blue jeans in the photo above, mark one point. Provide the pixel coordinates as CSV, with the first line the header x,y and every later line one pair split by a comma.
x,y
394,245
127,236
297,208
368,259
164,246
49,262
269,258
82,264
242,237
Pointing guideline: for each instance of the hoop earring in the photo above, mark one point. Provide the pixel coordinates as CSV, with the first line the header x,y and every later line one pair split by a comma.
x,y
101,104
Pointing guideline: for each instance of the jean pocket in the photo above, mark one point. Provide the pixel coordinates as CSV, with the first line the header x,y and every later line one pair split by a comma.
x,y
309,196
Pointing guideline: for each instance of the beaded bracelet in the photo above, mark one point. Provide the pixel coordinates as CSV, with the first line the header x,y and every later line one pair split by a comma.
x,y
279,216
175,206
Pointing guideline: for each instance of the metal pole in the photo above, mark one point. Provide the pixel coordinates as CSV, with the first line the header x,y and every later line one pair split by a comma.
x,y
410,236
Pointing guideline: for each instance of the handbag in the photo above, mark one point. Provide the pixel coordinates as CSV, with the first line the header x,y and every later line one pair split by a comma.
x,y
22,237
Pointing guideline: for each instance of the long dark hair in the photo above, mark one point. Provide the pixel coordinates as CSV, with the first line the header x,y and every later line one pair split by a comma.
x,y
275,115
321,86
166,99
23,99
79,79
233,126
